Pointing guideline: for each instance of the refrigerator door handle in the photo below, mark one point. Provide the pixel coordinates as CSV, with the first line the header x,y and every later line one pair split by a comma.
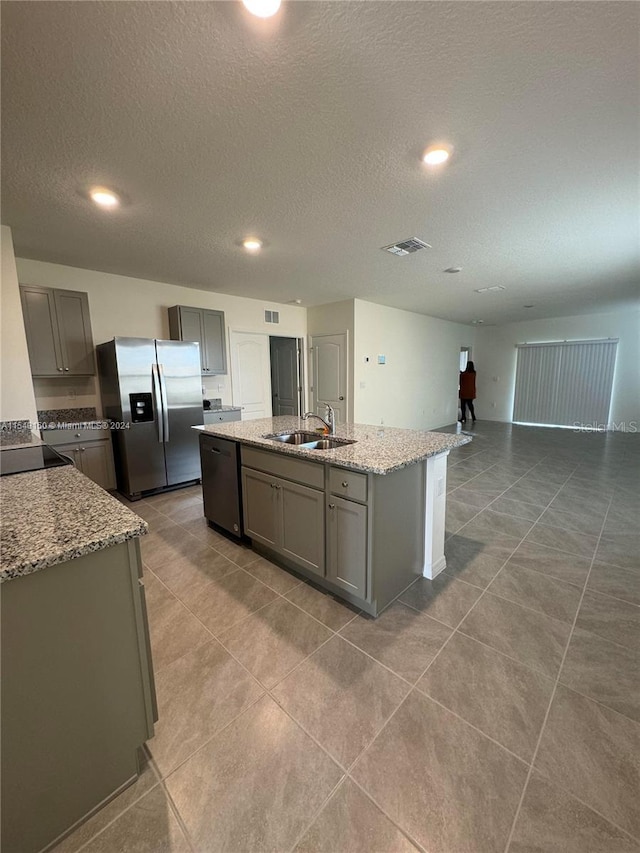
x,y
165,404
158,405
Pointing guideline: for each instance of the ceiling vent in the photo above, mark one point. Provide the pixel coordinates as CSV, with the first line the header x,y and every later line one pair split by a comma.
x,y
272,316
406,247
493,289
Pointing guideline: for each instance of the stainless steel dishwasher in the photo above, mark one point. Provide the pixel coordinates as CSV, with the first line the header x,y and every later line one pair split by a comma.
x,y
220,461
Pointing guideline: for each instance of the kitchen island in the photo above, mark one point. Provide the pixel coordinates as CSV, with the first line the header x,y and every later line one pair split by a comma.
x,y
363,519
78,698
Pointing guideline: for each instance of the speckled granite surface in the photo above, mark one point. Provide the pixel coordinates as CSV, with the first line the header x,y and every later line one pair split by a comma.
x,y
378,449
17,434
55,515
67,418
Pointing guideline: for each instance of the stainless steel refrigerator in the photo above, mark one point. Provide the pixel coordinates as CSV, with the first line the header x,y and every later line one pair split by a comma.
x,y
152,394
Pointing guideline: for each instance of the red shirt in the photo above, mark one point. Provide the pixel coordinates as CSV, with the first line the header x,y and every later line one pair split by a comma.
x,y
467,385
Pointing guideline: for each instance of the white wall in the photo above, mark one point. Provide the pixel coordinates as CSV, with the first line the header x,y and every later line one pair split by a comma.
x,y
417,387
125,306
495,360
333,319
17,402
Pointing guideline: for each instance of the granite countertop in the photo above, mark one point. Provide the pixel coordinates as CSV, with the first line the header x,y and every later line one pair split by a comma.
x,y
55,515
378,449
81,418
222,409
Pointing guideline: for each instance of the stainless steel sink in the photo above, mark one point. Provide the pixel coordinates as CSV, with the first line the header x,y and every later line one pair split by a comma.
x,y
310,440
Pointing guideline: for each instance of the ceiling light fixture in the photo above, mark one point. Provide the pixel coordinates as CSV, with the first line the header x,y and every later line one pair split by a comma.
x,y
436,155
528,306
252,245
104,198
453,269
477,322
493,289
262,8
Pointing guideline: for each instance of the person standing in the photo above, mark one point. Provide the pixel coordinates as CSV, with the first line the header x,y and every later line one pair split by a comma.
x,y
467,391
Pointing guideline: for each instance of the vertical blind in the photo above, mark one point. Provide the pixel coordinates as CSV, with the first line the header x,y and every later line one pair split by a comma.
x,y
565,383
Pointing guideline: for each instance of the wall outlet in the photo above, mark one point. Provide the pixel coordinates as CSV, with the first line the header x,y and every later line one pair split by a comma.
x,y
363,384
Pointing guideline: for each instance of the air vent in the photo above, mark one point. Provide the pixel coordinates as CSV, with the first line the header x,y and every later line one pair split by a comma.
x,y
493,289
406,247
272,316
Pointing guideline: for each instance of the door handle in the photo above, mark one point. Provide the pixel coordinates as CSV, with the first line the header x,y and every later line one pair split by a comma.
x,y
215,450
157,398
165,405
340,398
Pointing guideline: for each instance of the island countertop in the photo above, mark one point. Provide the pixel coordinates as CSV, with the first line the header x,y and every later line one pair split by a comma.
x,y
54,515
377,449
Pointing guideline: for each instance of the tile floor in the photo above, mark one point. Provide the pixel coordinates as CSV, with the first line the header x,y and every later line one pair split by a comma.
x,y
496,708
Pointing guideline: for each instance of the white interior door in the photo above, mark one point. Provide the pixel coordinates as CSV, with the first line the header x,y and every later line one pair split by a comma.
x,y
250,374
329,373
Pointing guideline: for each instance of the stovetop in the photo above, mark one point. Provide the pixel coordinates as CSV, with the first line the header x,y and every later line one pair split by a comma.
x,y
17,460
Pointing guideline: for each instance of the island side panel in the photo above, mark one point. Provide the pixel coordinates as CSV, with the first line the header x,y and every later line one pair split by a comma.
x,y
397,531
435,502
74,706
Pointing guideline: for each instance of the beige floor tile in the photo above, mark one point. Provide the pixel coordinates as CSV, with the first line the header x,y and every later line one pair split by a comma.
x,y
505,699
594,753
198,695
168,544
611,619
255,787
472,497
275,640
273,576
620,549
537,591
614,581
173,630
551,562
520,509
576,522
603,671
476,562
401,638
342,697
445,784
445,599
580,544
488,524
551,820
532,638
532,491
149,826
189,575
351,823
108,813
322,605
458,514
227,601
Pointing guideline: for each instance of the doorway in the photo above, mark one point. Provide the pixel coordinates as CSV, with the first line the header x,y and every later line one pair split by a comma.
x,y
465,356
287,387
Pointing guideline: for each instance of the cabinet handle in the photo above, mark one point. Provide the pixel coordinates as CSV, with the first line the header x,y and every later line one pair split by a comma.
x,y
78,435
67,369
340,398
332,506
215,450
60,369
82,449
345,485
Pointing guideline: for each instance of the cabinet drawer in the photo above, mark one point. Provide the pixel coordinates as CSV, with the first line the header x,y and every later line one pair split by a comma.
x,y
348,484
221,417
299,470
54,437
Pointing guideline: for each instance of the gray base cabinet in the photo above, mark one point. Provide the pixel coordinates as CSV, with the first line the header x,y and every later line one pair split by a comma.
x,y
90,450
206,327
58,330
78,697
359,535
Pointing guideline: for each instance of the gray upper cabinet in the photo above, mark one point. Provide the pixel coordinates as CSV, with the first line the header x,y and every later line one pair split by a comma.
x,y
207,328
58,330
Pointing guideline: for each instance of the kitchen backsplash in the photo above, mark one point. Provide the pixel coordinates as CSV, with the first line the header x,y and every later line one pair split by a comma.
x,y
69,416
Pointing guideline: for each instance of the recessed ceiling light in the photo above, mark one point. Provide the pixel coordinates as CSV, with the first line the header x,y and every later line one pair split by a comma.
x,y
477,322
262,8
493,289
453,269
252,245
104,197
435,155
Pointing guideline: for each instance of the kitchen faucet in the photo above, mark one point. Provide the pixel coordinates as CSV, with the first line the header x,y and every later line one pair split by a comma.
x,y
330,422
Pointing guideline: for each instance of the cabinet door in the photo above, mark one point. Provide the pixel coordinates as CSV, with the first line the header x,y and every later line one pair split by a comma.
x,y
215,357
302,525
191,330
347,542
261,507
71,451
96,463
41,327
76,343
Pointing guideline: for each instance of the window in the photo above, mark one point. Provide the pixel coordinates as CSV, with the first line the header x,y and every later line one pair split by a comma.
x,y
565,383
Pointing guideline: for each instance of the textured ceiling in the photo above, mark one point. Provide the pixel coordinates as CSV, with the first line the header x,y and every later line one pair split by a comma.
x,y
306,130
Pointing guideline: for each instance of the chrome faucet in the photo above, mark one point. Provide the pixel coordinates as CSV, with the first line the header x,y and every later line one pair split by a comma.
x,y
330,422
